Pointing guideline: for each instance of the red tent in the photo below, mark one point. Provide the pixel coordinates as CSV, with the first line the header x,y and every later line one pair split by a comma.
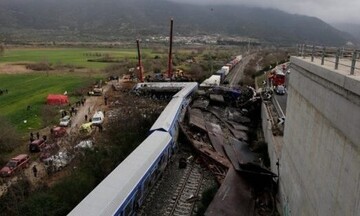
x,y
57,99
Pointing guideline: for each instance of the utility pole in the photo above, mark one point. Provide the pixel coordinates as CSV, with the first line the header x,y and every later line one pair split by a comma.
x,y
170,50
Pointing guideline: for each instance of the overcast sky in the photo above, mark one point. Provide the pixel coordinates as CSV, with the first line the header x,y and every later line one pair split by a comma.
x,y
328,10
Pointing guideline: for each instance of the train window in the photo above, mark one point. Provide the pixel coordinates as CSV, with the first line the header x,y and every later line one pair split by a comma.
x,y
138,196
152,179
161,160
128,208
146,183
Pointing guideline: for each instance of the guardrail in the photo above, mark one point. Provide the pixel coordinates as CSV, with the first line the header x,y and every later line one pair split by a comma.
x,y
326,53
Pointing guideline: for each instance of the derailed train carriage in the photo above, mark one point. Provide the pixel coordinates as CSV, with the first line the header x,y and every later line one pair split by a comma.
x,y
123,191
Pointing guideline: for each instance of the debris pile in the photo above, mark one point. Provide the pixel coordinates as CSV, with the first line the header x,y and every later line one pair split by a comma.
x,y
217,125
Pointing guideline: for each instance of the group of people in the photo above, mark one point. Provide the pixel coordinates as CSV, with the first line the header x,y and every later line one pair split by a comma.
x,y
32,137
3,91
81,102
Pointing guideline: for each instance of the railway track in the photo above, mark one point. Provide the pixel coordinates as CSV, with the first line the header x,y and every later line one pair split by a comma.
x,y
186,193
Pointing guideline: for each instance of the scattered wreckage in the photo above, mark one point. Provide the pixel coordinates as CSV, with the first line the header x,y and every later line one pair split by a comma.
x,y
57,162
217,125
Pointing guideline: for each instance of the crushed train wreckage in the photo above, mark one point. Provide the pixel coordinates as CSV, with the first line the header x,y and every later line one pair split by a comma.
x,y
218,124
218,128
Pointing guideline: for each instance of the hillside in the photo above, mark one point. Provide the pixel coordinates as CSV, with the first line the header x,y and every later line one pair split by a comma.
x,y
353,29
69,20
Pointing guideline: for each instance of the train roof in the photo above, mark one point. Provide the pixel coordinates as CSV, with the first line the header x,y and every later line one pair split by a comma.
x,y
187,90
161,85
110,194
168,115
214,80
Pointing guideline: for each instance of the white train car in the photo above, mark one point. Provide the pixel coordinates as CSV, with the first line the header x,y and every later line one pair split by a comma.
x,y
186,91
168,119
124,189
226,69
159,85
212,81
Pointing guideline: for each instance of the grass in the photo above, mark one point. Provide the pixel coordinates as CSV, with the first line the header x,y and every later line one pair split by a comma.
x,y
73,56
32,89
259,80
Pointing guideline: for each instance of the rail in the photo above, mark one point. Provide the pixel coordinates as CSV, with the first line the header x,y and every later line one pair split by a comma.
x,y
331,54
189,188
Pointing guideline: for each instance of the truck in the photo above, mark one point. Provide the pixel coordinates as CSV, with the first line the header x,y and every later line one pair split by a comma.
x,y
277,77
96,92
37,145
16,163
98,118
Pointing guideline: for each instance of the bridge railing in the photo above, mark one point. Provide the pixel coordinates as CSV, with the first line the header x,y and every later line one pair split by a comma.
x,y
331,54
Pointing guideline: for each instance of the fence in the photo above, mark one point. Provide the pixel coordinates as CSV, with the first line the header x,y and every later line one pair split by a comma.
x,y
329,53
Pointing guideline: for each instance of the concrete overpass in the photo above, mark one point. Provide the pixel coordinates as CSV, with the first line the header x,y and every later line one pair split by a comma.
x,y
319,155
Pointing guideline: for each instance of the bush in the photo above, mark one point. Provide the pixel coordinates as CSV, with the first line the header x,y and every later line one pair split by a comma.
x,y
40,66
15,195
9,138
49,115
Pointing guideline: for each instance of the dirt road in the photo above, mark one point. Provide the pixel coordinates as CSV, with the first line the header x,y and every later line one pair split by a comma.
x,y
92,104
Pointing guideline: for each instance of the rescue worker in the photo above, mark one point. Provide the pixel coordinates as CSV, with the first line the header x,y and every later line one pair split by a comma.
x,y
34,169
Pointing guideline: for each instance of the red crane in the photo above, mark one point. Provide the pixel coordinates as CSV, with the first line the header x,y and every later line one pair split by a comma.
x,y
141,76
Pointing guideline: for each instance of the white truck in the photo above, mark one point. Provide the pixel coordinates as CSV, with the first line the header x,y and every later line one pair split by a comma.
x,y
98,118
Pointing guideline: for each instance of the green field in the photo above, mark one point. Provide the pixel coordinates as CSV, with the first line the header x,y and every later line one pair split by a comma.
x,y
32,89
72,56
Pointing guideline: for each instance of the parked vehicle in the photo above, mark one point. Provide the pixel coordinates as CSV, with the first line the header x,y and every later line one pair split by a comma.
x,y
96,92
277,77
65,121
86,129
98,118
19,162
37,145
48,151
57,132
280,90
113,77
